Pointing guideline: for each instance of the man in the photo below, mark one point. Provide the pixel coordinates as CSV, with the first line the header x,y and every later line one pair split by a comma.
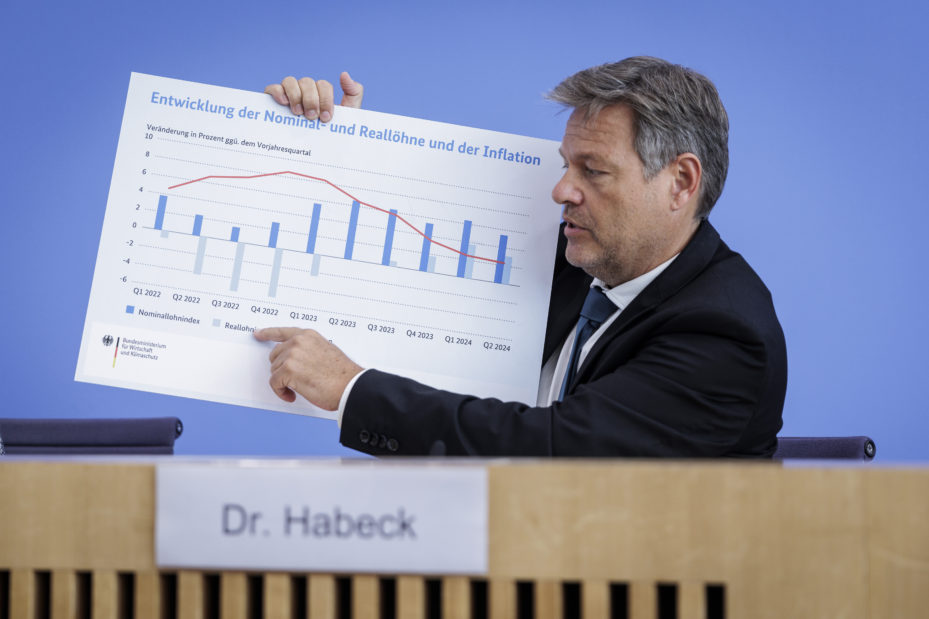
x,y
660,342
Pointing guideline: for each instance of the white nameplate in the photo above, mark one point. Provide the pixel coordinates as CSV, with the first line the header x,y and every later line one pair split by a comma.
x,y
321,517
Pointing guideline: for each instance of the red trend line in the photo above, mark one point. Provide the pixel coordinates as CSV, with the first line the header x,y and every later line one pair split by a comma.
x,y
337,188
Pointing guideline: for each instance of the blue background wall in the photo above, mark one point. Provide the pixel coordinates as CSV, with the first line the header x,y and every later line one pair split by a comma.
x,y
827,103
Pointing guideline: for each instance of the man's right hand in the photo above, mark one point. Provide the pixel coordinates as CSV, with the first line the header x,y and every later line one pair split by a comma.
x,y
313,98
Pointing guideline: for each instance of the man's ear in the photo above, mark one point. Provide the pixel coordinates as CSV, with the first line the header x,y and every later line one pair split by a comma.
x,y
687,174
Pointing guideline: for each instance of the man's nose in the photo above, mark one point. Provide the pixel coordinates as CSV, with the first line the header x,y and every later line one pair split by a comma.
x,y
566,191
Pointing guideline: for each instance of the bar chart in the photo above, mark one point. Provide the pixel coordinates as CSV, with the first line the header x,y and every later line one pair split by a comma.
x,y
414,260
501,262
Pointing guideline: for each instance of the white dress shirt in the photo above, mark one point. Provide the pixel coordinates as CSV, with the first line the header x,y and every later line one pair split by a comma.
x,y
557,364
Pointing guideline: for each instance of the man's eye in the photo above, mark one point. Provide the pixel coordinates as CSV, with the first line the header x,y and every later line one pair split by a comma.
x,y
591,172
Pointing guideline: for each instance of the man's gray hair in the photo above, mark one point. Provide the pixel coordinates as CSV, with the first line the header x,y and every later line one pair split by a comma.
x,y
677,110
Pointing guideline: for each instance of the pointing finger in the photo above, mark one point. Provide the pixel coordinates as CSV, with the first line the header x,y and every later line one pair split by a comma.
x,y
276,334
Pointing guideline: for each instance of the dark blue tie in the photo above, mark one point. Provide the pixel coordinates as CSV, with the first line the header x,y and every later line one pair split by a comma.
x,y
597,308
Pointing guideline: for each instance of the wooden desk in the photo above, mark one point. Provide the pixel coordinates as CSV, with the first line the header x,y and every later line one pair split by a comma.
x,y
567,538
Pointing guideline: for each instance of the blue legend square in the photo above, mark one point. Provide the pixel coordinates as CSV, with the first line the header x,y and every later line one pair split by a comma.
x,y
130,309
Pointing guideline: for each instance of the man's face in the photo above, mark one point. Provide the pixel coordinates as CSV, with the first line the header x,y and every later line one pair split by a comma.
x,y
619,225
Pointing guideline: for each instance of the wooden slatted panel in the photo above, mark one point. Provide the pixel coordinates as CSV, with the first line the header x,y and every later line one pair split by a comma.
x,y
643,600
105,594
595,599
691,600
233,602
456,597
22,593
277,596
502,594
190,595
411,597
64,594
148,600
321,591
366,597
548,599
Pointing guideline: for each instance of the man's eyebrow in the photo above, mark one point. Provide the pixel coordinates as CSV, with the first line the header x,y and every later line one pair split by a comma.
x,y
583,156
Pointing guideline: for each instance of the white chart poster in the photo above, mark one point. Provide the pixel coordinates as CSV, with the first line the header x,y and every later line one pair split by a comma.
x,y
419,248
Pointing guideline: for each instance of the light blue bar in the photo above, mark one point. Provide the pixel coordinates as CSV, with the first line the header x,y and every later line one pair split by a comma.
x,y
506,270
198,223
314,270
275,272
469,267
424,259
164,234
501,260
201,251
234,237
352,224
237,267
160,214
465,239
314,227
431,268
389,239
275,228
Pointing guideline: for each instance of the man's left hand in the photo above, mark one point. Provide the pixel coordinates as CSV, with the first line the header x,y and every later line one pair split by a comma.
x,y
305,362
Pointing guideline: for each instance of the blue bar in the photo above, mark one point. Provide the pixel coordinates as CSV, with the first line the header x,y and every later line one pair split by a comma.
x,y
389,239
314,227
198,223
465,240
272,240
501,260
352,224
234,237
160,215
424,259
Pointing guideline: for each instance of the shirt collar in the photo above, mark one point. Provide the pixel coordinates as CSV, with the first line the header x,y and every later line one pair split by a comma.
x,y
623,294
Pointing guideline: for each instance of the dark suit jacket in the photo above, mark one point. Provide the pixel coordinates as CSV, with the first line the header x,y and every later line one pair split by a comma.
x,y
695,366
